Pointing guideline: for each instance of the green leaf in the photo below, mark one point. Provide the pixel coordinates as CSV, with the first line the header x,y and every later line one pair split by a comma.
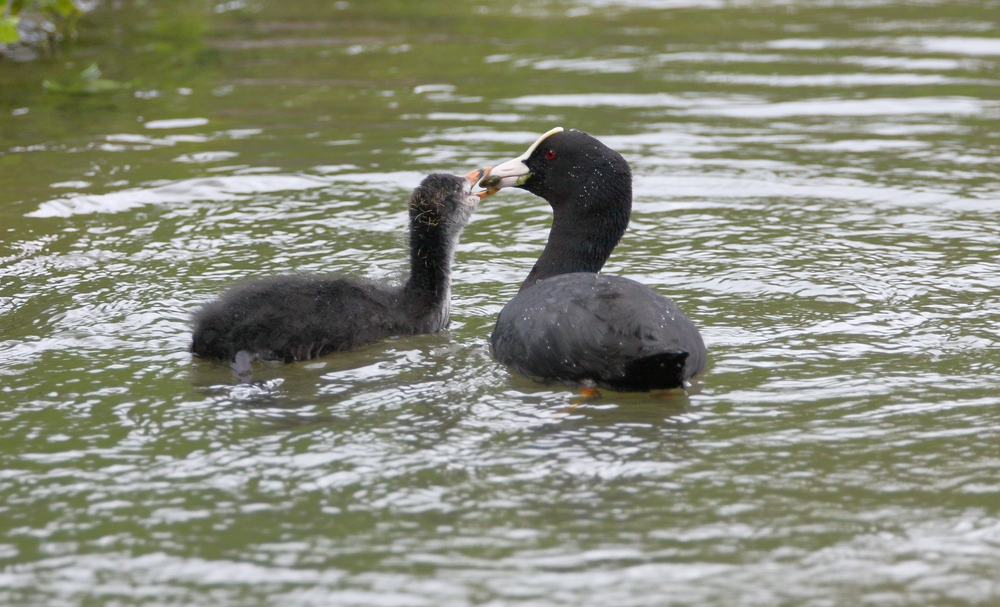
x,y
64,8
91,73
102,86
16,6
87,87
8,29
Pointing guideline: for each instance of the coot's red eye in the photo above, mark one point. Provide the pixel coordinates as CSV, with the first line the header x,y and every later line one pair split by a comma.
x,y
550,154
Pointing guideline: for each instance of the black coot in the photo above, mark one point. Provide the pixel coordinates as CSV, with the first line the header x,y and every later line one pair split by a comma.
x,y
290,318
568,323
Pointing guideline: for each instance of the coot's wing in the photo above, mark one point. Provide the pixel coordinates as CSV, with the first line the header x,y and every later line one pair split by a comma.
x,y
292,318
665,327
577,327
550,331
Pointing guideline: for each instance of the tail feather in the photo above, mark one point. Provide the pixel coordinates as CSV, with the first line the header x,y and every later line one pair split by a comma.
x,y
660,371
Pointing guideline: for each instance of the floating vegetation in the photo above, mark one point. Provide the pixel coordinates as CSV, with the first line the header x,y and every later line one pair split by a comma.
x,y
89,82
31,27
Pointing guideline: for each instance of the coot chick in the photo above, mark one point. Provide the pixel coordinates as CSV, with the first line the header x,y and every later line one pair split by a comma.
x,y
568,323
298,317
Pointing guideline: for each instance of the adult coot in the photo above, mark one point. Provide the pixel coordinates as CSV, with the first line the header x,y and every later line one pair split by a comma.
x,y
568,323
290,318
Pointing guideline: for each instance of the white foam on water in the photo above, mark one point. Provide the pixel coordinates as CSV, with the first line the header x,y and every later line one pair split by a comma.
x,y
476,117
179,192
228,187
654,187
623,100
202,157
905,63
721,57
590,65
832,80
70,184
746,106
176,123
956,45
864,145
959,106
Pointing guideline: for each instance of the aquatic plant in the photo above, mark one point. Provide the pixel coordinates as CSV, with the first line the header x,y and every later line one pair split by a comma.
x,y
36,25
89,82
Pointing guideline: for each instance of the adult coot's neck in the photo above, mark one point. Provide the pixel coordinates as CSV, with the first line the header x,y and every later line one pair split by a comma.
x,y
591,202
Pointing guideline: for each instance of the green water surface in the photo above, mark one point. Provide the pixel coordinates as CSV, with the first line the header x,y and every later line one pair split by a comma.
x,y
815,185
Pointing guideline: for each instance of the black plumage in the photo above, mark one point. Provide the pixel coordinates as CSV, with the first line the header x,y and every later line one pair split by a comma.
x,y
298,317
568,323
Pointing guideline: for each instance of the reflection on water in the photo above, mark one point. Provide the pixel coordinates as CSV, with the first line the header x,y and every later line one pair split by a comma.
x,y
815,186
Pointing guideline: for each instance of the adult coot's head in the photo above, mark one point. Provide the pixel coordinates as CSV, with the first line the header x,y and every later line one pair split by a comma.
x,y
569,168
589,187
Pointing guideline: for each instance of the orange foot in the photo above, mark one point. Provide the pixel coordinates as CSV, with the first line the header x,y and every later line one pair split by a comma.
x,y
672,394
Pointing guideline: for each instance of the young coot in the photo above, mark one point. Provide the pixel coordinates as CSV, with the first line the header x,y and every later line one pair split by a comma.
x,y
290,318
568,323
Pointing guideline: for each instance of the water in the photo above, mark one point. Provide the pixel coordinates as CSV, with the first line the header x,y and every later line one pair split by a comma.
x,y
815,184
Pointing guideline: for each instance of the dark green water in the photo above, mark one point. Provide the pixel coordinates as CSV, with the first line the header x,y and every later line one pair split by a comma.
x,y
815,185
